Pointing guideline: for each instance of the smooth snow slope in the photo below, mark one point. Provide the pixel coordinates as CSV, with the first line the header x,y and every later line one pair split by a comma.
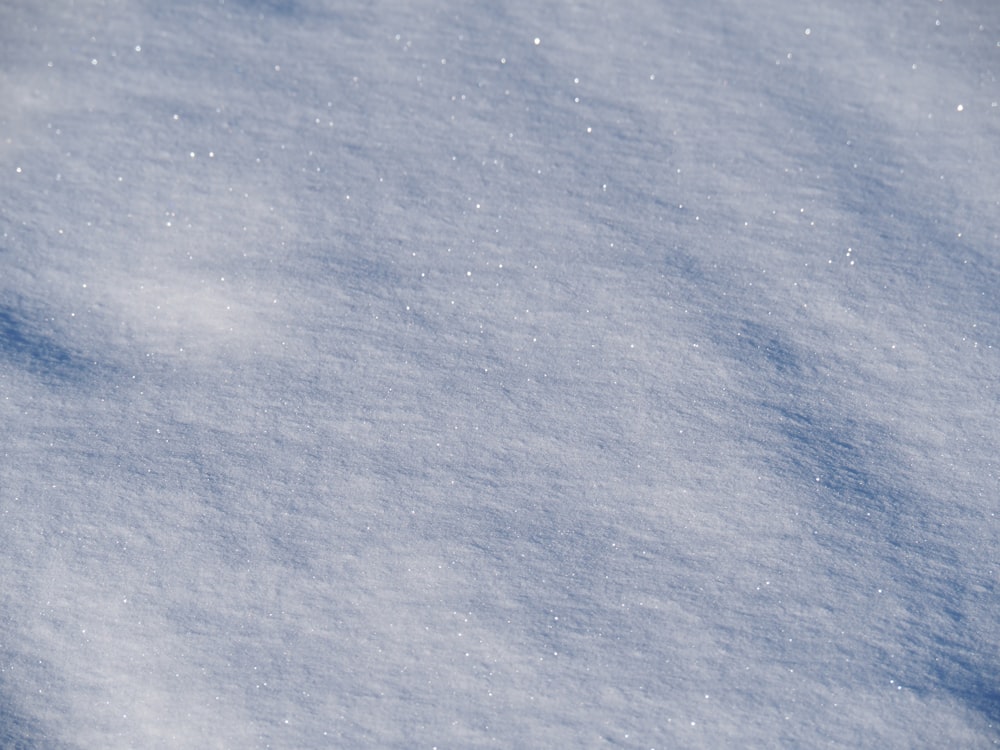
x,y
410,374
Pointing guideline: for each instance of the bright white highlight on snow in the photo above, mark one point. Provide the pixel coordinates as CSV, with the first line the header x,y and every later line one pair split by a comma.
x,y
369,382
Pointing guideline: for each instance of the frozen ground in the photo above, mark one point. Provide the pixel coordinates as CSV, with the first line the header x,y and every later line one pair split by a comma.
x,y
414,374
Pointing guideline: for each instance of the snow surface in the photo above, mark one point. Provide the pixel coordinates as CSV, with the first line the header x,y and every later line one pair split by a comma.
x,y
414,374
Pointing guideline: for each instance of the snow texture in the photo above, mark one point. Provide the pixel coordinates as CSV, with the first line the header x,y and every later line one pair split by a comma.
x,y
413,374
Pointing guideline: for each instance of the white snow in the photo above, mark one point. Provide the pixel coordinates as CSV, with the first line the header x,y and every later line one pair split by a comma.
x,y
527,374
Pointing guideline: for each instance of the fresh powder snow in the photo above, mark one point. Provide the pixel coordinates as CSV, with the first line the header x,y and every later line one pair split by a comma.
x,y
517,375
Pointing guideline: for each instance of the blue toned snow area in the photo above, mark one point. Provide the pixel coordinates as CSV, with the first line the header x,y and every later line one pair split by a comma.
x,y
528,374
